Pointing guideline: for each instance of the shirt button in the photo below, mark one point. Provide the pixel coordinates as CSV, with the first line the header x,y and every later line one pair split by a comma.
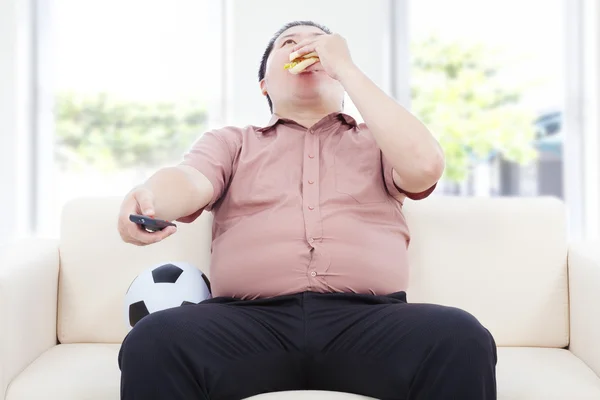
x,y
311,208
311,156
311,240
311,182
313,274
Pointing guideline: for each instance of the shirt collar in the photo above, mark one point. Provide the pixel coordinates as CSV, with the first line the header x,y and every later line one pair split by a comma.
x,y
349,120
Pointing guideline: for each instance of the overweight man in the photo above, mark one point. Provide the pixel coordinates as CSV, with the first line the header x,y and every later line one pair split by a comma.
x,y
309,255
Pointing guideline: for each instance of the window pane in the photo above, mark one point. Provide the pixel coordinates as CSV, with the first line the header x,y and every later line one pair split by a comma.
x,y
487,78
133,88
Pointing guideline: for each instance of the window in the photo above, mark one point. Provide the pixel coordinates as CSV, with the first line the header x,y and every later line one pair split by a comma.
x,y
134,84
488,79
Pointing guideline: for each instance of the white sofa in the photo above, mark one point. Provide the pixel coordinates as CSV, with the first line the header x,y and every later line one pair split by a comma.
x,y
507,261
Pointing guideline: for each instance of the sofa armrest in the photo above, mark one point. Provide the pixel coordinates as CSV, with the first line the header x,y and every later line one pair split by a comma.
x,y
28,304
584,298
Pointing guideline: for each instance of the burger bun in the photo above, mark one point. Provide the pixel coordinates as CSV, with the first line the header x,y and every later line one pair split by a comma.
x,y
302,65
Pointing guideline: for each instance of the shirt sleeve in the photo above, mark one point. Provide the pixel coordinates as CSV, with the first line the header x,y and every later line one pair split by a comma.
x,y
213,155
395,191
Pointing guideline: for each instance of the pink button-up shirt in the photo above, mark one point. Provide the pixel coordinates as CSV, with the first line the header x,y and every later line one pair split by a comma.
x,y
299,209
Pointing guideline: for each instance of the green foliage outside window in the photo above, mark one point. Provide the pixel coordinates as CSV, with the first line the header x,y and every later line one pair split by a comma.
x,y
457,93
107,133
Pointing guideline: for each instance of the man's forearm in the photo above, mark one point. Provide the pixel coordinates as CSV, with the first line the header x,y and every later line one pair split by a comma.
x,y
178,192
412,150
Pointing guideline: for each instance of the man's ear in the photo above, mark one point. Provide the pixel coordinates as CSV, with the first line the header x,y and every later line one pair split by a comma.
x,y
263,87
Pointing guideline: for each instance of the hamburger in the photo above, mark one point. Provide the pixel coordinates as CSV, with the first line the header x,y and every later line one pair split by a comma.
x,y
299,64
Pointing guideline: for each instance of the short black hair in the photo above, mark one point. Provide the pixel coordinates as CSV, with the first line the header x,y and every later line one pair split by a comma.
x,y
263,63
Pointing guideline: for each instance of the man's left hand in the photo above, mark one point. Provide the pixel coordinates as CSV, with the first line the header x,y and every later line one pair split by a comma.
x,y
332,50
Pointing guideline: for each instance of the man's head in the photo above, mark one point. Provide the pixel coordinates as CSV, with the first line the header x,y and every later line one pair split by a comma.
x,y
282,88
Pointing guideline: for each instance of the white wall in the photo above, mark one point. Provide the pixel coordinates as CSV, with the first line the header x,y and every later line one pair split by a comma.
x,y
364,24
15,121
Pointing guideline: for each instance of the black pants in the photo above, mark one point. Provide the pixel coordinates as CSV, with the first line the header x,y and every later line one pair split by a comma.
x,y
378,346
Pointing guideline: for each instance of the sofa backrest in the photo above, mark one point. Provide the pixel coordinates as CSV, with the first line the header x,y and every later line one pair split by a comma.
x,y
502,259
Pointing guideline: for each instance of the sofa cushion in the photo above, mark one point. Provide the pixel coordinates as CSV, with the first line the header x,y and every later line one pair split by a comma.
x,y
544,374
90,371
70,372
309,395
502,259
97,267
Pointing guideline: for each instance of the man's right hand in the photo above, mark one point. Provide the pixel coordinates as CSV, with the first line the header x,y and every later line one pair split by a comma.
x,y
140,201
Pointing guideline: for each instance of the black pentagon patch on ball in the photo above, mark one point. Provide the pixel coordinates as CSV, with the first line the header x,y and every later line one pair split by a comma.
x,y
137,311
167,273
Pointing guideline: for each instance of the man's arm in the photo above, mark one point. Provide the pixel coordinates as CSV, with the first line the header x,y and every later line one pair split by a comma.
x,y
169,194
182,192
178,192
416,156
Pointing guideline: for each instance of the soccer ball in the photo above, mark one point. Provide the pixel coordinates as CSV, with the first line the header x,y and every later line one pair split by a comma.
x,y
164,286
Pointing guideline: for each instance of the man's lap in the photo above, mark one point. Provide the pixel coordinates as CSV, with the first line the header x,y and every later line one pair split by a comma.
x,y
317,324
382,342
340,342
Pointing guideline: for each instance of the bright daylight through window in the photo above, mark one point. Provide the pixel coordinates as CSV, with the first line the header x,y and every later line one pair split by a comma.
x,y
490,83
132,90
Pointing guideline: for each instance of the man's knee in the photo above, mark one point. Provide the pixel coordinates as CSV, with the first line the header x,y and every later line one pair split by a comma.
x,y
446,328
155,335
457,328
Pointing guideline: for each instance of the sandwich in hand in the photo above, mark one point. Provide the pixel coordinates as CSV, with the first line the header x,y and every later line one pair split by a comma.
x,y
299,64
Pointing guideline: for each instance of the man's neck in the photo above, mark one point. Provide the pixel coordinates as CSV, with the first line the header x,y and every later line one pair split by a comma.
x,y
306,117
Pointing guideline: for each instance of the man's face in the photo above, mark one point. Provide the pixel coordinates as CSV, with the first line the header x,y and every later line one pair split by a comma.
x,y
284,87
